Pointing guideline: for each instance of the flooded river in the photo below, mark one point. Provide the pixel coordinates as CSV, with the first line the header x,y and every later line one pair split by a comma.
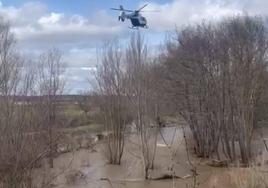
x,y
89,169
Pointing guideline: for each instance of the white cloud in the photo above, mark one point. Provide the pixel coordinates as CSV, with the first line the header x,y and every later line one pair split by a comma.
x,y
77,19
78,36
53,18
25,15
79,79
36,27
80,57
183,12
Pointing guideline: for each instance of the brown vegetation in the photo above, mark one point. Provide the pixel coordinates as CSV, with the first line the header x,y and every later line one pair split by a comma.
x,y
217,74
213,75
19,151
111,88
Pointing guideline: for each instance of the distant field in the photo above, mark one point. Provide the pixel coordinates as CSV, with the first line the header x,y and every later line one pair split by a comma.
x,y
75,117
92,128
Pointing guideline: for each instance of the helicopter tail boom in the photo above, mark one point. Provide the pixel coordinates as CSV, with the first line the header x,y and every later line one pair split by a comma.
x,y
122,16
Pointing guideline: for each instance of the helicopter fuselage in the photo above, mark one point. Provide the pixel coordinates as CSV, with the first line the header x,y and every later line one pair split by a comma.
x,y
137,20
134,16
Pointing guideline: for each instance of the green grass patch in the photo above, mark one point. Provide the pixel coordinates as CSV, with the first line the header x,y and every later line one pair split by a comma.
x,y
92,128
72,111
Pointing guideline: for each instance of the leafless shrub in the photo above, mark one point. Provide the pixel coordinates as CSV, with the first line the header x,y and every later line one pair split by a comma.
x,y
143,97
111,90
20,150
216,76
50,84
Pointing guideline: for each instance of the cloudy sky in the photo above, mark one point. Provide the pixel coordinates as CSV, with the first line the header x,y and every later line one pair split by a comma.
x,y
78,27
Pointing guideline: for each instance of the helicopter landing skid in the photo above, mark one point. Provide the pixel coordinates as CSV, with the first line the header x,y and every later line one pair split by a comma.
x,y
137,28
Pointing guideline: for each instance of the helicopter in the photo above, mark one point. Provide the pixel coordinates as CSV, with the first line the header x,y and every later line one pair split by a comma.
x,y
137,20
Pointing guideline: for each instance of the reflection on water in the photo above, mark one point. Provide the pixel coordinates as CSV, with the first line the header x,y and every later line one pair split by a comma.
x,y
170,135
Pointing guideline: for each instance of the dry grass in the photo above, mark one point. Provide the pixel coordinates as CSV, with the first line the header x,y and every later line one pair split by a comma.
x,y
249,178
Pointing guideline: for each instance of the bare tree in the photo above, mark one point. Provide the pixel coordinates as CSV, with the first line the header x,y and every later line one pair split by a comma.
x,y
142,97
216,76
50,85
19,151
111,88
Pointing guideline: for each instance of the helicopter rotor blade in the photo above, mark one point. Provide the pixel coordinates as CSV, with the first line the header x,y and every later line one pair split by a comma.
x,y
150,11
122,10
142,7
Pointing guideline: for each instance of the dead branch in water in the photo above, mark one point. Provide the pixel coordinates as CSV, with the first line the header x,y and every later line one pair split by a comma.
x,y
108,180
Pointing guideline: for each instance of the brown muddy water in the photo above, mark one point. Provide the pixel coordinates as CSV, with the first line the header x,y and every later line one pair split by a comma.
x,y
88,168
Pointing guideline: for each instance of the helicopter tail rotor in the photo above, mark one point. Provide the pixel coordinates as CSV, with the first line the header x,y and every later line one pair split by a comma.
x,y
122,16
